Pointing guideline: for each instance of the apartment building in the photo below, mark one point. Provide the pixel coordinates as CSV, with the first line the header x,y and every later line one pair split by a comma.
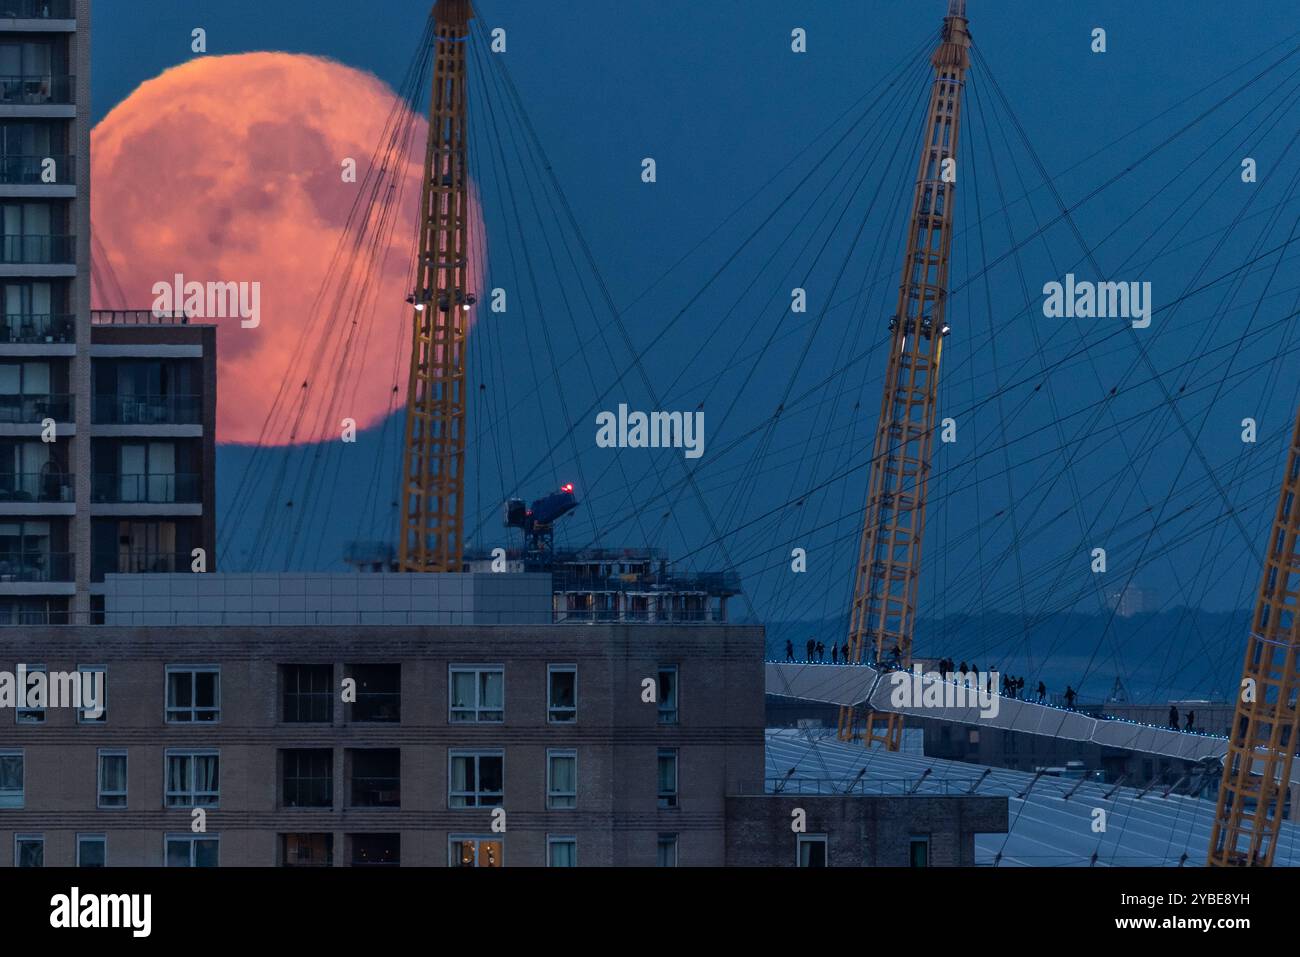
x,y
425,745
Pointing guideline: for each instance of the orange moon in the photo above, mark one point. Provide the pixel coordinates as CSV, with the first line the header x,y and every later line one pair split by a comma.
x,y
230,169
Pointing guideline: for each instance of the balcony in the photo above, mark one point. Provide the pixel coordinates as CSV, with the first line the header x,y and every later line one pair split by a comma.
x,y
36,566
176,488
36,9
34,409
138,563
37,250
29,330
35,487
148,410
28,170
137,317
36,90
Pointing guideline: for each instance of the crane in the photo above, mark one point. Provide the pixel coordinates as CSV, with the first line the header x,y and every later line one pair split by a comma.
x,y
889,557
433,457
1262,742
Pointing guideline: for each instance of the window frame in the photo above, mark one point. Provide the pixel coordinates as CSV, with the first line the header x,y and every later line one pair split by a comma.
x,y
103,692
28,837
21,755
673,796
96,837
811,840
667,837
478,839
283,768
477,708
552,754
912,841
193,709
554,839
665,715
330,691
551,707
192,792
100,791
192,840
477,794
21,715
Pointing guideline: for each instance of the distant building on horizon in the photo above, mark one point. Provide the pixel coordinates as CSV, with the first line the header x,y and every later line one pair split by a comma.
x,y
1132,600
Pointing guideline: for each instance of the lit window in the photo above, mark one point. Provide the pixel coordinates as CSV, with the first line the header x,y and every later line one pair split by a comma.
x,y
561,779
193,693
475,852
477,695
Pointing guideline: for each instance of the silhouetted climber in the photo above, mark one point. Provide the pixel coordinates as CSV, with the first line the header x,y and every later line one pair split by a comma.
x,y
789,650
963,669
895,656
1020,685
1042,692
846,652
812,644
1069,697
821,651
1191,716
835,653
1173,717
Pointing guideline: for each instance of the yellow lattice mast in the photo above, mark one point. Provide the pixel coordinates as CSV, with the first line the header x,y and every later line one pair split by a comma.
x,y
1262,742
889,558
433,460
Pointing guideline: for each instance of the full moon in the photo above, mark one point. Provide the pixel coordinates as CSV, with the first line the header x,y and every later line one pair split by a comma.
x,y
233,169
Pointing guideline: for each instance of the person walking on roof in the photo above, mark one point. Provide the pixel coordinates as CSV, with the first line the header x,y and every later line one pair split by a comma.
x,y
821,651
789,650
1069,697
812,643
1173,717
1042,692
1191,717
835,653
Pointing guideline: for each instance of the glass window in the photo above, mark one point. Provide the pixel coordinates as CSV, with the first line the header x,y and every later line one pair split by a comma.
x,y
562,695
561,779
561,851
193,693
94,683
308,693
667,850
32,715
812,850
477,694
29,850
92,850
306,850
919,852
667,777
477,779
112,779
193,778
11,779
475,852
667,694
185,850
308,778
379,693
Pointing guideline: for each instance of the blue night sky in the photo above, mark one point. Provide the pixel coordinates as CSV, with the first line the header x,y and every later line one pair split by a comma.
x,y
1047,465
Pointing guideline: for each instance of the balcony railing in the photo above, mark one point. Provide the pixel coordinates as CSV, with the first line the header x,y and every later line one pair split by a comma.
x,y
36,90
37,329
34,409
36,9
182,487
35,566
137,317
30,170
376,792
37,249
35,487
147,409
137,563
